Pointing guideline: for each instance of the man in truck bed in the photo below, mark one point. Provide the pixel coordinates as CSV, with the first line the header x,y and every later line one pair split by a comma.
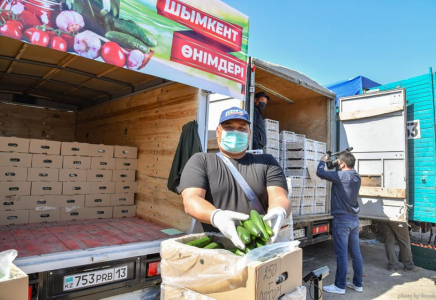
x,y
213,197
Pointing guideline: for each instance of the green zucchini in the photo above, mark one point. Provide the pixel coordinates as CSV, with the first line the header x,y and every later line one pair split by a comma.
x,y
131,28
267,227
254,216
259,243
237,251
250,246
214,245
252,229
126,41
201,242
243,234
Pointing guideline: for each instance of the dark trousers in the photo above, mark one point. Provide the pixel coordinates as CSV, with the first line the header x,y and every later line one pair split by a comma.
x,y
397,231
346,239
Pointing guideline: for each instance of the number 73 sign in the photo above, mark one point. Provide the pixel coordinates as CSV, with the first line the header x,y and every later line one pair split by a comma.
x,y
413,130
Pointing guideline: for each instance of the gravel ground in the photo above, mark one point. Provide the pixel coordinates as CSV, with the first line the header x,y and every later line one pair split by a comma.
x,y
378,282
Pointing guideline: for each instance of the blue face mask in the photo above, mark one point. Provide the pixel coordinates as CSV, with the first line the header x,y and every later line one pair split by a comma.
x,y
234,141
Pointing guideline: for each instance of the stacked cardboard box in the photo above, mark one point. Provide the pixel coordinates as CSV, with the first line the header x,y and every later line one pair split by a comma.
x,y
45,181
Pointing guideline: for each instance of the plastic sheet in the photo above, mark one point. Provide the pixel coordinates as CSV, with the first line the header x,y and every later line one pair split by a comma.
x,y
298,294
6,259
187,266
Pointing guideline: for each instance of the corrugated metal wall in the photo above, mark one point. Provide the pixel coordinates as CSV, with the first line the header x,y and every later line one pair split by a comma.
x,y
421,152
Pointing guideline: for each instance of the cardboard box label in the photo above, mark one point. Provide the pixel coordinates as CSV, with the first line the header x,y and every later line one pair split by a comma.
x,y
13,174
76,188
126,152
74,148
72,175
126,164
77,162
122,199
43,216
46,188
123,175
99,175
15,160
43,174
13,144
15,188
12,203
102,188
102,163
126,187
46,161
45,147
101,150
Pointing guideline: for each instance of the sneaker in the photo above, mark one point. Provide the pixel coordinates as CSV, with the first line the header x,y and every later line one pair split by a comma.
x,y
415,269
392,269
333,289
356,288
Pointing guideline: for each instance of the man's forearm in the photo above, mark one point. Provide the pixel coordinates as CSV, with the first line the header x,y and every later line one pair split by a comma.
x,y
281,202
198,208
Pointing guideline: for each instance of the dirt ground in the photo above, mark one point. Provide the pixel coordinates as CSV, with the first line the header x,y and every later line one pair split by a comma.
x,y
378,282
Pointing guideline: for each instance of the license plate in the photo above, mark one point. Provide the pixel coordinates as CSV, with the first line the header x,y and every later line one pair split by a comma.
x,y
299,233
77,281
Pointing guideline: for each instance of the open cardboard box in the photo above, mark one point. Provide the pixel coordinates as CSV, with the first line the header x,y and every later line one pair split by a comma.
x,y
16,287
258,280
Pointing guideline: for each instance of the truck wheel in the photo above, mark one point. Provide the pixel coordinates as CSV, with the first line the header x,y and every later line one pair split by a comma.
x,y
373,231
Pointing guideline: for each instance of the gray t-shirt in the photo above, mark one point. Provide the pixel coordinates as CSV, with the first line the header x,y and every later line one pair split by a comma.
x,y
207,171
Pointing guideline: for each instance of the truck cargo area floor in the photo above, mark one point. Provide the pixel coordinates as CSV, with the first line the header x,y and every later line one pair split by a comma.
x,y
43,238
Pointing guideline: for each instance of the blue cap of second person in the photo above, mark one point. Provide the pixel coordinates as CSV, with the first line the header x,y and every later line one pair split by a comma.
x,y
234,113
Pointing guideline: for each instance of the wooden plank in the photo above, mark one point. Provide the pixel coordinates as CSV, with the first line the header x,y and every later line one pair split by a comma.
x,y
212,144
361,114
382,192
36,122
372,181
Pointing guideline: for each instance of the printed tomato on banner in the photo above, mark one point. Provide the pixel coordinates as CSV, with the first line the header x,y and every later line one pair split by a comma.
x,y
196,42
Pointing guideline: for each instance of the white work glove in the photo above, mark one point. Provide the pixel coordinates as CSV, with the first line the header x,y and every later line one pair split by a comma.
x,y
275,217
224,220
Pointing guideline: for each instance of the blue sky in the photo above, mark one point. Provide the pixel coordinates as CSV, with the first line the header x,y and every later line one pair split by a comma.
x,y
384,40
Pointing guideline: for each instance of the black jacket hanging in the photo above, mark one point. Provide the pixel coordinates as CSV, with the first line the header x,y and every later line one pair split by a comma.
x,y
189,144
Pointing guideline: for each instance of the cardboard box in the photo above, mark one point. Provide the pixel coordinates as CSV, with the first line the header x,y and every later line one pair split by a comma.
x,y
170,292
76,188
256,281
12,203
122,199
46,161
70,214
123,175
13,174
44,216
46,188
12,217
72,175
126,187
13,144
102,188
102,163
98,200
99,175
74,148
15,188
124,211
22,160
101,150
43,174
45,147
71,200
126,164
77,162
16,287
126,152
98,212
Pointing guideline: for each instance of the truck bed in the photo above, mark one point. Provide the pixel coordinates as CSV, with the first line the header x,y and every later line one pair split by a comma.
x,y
43,247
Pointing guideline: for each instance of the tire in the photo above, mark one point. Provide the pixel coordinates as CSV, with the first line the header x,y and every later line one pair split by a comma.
x,y
373,231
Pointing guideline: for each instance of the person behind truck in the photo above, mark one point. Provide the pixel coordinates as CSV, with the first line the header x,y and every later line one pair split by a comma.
x,y
259,133
398,231
345,210
212,196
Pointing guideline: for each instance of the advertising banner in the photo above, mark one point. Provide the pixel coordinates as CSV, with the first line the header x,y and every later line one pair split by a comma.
x,y
196,42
